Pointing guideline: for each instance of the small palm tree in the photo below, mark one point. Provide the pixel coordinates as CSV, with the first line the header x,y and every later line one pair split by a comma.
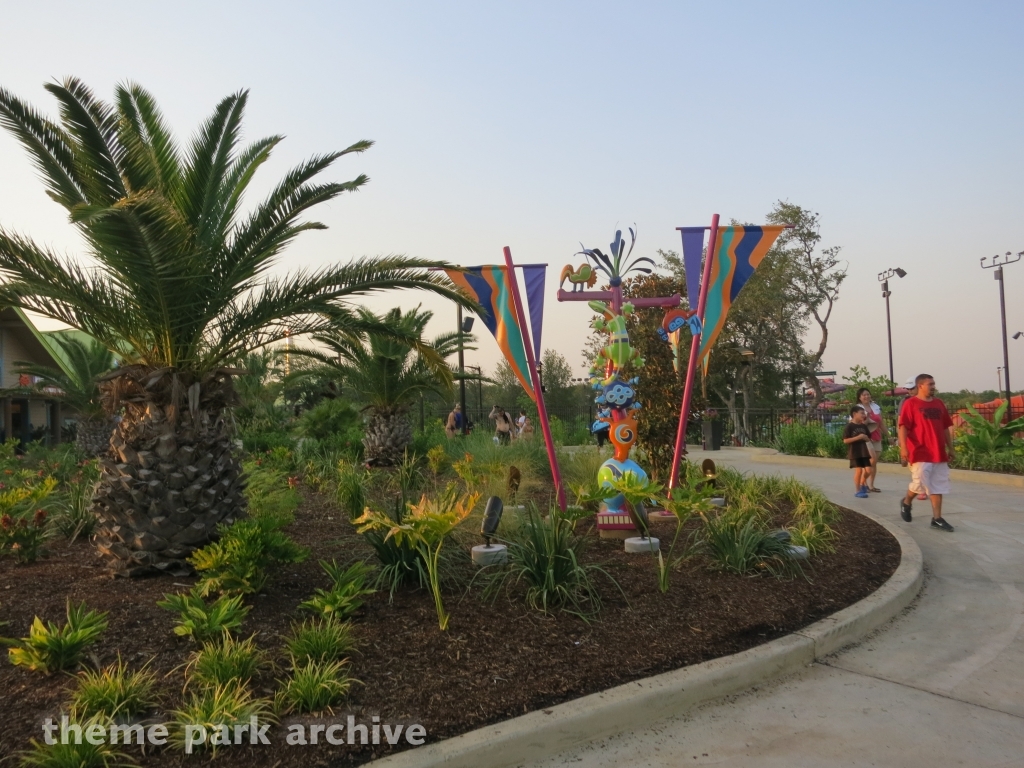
x,y
181,288
79,386
388,369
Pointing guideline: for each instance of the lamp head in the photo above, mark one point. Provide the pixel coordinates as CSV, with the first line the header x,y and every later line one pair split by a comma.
x,y
1018,334
900,272
467,324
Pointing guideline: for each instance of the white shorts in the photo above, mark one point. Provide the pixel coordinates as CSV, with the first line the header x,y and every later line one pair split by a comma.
x,y
929,478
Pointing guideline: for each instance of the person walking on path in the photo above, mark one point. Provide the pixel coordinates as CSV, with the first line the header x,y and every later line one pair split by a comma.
x,y
857,437
602,429
911,387
453,426
875,425
926,441
502,424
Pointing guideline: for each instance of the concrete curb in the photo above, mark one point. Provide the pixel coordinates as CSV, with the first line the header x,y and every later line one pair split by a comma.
x,y
541,734
956,475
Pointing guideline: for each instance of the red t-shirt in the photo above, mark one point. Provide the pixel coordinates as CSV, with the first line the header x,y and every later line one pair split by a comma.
x,y
926,422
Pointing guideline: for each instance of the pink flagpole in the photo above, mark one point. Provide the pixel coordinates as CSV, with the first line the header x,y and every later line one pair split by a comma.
x,y
542,411
691,368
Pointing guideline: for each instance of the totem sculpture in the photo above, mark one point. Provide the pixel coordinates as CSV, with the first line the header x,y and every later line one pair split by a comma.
x,y
616,393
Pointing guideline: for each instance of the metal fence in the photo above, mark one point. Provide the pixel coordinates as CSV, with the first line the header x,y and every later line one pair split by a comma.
x,y
761,426
573,418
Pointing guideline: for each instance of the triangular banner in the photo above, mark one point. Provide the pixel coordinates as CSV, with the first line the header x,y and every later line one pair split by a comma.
x,y
533,278
490,287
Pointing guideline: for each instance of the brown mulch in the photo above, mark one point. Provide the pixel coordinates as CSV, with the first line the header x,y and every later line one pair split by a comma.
x,y
496,661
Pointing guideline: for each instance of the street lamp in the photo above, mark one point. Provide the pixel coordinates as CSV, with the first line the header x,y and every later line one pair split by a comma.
x,y
998,262
883,278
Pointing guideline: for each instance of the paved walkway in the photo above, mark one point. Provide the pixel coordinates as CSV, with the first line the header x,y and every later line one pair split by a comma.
x,y
942,685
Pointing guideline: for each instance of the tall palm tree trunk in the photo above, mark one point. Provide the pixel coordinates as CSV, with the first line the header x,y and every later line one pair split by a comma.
x,y
92,436
171,475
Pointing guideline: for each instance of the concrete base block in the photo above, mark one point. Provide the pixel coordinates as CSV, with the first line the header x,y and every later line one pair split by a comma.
x,y
640,545
718,501
613,533
797,552
496,554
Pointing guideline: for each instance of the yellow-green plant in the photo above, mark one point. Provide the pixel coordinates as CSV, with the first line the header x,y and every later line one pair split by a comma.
x,y
204,622
426,527
209,711
349,585
50,648
78,754
437,459
114,691
224,660
315,686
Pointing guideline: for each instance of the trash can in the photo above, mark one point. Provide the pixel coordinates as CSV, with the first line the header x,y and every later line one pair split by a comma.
x,y
712,431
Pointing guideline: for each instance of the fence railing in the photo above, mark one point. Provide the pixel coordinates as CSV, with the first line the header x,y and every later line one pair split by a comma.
x,y
761,426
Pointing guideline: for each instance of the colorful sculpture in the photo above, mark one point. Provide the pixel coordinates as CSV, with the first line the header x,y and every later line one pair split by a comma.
x,y
615,391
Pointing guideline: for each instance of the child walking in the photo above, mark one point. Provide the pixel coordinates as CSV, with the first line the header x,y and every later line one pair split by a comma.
x,y
858,437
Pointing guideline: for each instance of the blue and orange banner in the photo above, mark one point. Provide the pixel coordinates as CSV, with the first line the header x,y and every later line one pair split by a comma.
x,y
490,287
738,252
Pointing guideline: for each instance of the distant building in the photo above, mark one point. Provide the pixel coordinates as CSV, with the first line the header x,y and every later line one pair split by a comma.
x,y
28,413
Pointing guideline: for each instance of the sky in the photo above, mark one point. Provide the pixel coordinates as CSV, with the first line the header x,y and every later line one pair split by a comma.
x,y
541,126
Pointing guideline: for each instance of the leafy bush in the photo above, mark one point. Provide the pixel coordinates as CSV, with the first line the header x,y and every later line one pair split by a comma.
x,y
113,692
426,527
23,536
204,622
239,562
50,648
320,640
810,440
73,515
546,556
332,420
315,686
345,596
228,705
437,459
981,435
742,547
260,441
221,661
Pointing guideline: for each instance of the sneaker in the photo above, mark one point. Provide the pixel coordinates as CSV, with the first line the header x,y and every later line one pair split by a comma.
x,y
864,489
905,511
942,525
861,494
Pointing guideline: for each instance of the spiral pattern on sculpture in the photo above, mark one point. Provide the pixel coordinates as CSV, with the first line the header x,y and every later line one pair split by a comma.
x,y
623,433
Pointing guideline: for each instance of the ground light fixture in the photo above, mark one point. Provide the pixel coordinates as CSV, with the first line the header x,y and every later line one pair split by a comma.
x,y
997,263
883,278
1018,334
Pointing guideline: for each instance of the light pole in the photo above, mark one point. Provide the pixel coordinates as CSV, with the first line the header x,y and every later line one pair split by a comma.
x,y
883,278
465,326
999,378
998,266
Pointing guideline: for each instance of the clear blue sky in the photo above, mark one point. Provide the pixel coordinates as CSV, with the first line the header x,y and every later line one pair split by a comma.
x,y
541,125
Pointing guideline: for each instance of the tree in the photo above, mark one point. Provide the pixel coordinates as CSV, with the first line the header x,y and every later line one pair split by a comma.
x,y
388,368
79,387
816,278
181,287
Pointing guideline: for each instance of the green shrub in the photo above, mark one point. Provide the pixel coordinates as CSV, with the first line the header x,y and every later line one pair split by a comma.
x,y
238,563
810,440
221,661
348,588
315,686
320,640
50,648
113,692
980,435
259,441
227,705
331,420
204,622
546,556
77,755
742,547
350,490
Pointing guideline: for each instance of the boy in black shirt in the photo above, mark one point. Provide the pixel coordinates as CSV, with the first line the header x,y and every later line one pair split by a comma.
x,y
858,438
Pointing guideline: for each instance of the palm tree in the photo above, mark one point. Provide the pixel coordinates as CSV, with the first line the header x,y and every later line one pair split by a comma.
x,y
388,369
181,288
79,386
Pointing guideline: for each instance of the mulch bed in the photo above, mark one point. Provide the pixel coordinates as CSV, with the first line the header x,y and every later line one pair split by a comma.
x,y
496,661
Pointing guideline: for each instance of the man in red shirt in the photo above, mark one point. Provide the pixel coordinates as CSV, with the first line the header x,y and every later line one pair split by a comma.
x,y
926,441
